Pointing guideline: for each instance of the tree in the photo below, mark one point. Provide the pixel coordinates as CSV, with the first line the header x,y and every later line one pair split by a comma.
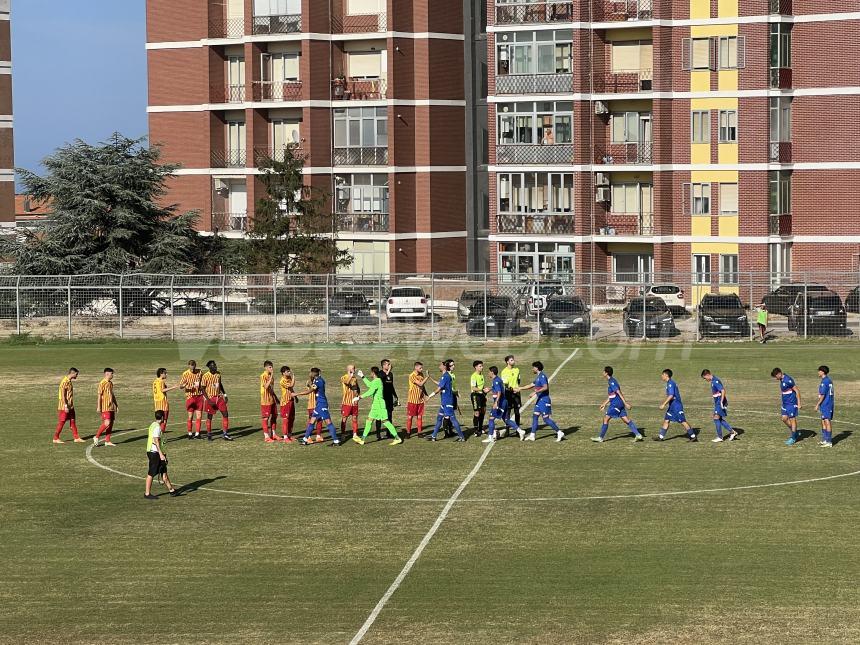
x,y
292,228
104,214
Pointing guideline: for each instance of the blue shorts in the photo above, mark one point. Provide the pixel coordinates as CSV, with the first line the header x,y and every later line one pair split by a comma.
x,y
498,413
790,411
676,416
826,414
446,410
721,411
616,412
321,413
543,407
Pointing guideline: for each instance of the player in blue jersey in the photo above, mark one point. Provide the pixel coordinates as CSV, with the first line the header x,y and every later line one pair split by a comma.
x,y
825,405
790,398
721,407
445,390
498,407
543,404
674,409
320,412
615,407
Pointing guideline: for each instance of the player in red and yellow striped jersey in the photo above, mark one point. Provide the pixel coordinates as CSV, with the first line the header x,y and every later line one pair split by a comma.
x,y
349,386
268,401
66,407
415,398
216,401
107,407
191,382
159,395
312,404
288,405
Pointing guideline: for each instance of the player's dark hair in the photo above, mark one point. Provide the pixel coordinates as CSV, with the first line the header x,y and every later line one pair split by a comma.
x,y
494,370
775,371
609,371
508,357
285,368
108,369
192,363
538,365
668,373
824,368
267,364
211,364
476,363
160,371
417,363
375,370
706,373
74,369
384,361
448,364
159,415
315,370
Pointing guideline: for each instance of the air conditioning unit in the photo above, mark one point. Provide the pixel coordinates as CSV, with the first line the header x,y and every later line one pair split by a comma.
x,y
601,179
600,107
603,194
221,186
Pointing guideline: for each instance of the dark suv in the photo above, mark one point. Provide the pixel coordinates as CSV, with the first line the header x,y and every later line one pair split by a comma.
x,y
823,311
648,317
722,315
501,318
349,308
780,299
465,302
565,316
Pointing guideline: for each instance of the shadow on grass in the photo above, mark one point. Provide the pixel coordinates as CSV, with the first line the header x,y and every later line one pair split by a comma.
x,y
806,434
572,430
195,486
842,436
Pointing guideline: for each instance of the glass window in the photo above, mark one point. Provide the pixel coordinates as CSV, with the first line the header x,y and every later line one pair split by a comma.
x,y
729,269
780,45
728,199
780,192
277,7
535,192
779,256
625,126
522,260
361,193
701,126
702,269
780,119
543,52
360,128
728,126
701,199
728,52
701,53
528,123
632,267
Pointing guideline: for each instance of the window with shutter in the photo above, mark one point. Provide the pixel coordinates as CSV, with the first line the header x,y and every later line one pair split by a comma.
x,y
701,54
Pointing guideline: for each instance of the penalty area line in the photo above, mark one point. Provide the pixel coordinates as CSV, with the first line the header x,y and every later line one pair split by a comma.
x,y
360,634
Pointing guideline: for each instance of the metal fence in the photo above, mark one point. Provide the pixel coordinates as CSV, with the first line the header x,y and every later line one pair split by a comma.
x,y
431,307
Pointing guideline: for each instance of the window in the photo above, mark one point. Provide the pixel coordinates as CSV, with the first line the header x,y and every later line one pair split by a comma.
x,y
631,199
522,260
543,123
632,267
361,127
702,269
529,52
780,45
728,126
630,127
285,132
701,201
235,71
780,192
729,269
535,192
361,193
780,119
732,54
277,7
701,126
364,7
779,257
632,56
701,53
728,199
364,64
281,67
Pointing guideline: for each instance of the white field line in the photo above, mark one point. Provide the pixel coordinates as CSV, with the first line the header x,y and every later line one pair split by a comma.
x,y
435,527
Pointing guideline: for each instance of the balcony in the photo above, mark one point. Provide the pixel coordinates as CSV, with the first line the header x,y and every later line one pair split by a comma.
x,y
624,10
361,156
362,222
227,28
229,158
534,84
559,153
264,153
780,78
359,89
780,152
625,154
627,224
227,94
780,225
624,82
287,24
782,7
229,222
277,90
536,223
360,23
522,13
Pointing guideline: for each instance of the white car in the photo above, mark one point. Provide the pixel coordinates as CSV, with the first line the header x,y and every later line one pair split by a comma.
x,y
671,294
406,303
533,297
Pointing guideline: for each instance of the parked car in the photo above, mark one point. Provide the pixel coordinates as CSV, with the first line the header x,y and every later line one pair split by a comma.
x,y
722,315
349,308
671,294
408,303
780,299
533,297
852,301
501,317
465,302
649,317
823,311
565,316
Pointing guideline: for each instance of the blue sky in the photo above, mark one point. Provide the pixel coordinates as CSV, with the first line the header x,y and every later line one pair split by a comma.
x,y
79,71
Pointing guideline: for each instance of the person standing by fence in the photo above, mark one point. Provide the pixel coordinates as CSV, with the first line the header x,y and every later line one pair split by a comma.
x,y
761,321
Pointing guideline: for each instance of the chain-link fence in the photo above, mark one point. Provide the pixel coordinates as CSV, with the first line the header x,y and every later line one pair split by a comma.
x,y
430,307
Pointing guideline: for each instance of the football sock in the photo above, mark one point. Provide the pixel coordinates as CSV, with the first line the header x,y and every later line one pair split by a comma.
x,y
552,424
225,424
438,425
633,427
266,427
390,427
343,425
333,432
74,427
197,424
208,426
491,427
603,430
408,425
719,426
354,425
420,427
535,423
367,428
511,424
309,429
188,426
59,429
457,427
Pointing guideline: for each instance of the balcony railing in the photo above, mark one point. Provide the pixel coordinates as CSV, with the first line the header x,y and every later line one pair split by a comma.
x,y
536,223
783,7
287,24
362,222
623,10
780,225
359,89
277,90
780,78
780,152
360,23
627,224
518,13
263,153
625,153
228,94
534,84
625,81
227,28
361,156
229,222
229,158
559,153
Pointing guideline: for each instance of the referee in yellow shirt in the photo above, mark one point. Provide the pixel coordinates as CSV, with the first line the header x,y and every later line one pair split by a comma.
x,y
479,397
511,378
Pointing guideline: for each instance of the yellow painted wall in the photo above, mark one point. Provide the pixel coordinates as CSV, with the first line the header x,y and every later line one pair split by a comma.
x,y
729,226
727,153
700,81
727,8
728,80
700,153
700,8
714,104
700,225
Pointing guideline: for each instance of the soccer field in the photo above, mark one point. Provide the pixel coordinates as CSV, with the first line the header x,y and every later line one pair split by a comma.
x,y
743,542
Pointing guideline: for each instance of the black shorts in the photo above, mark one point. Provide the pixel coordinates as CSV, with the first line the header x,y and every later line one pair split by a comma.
x,y
156,465
479,401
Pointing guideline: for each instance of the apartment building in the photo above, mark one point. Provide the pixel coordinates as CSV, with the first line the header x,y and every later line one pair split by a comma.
x,y
375,94
7,157
707,137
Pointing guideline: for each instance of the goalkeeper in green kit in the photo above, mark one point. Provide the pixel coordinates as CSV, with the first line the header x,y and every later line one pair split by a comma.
x,y
378,411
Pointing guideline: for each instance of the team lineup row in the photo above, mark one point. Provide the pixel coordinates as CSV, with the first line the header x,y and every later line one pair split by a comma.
x,y
497,393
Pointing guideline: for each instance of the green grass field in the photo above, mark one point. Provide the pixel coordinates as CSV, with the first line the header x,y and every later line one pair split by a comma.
x,y
548,543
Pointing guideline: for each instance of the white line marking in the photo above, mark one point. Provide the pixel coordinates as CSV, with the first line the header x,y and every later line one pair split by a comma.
x,y
433,529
